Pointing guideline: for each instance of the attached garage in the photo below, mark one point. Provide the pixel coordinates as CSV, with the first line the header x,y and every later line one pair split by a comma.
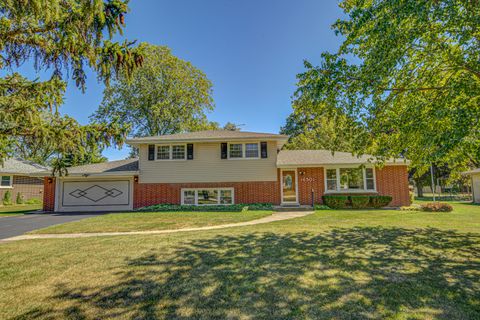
x,y
104,186
95,194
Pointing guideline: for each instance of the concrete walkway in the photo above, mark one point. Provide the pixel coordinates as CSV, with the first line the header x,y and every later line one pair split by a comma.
x,y
277,216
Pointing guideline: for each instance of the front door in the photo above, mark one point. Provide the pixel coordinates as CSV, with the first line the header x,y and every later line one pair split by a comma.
x,y
289,186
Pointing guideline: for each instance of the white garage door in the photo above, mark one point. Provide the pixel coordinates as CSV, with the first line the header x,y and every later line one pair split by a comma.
x,y
95,195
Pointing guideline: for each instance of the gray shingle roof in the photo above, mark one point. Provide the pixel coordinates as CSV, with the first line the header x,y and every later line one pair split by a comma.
x,y
20,166
209,135
322,157
110,167
106,167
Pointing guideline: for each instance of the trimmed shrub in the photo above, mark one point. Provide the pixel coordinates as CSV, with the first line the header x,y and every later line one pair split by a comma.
x,y
336,202
259,206
212,208
380,201
436,207
19,199
410,208
33,201
321,207
360,202
7,198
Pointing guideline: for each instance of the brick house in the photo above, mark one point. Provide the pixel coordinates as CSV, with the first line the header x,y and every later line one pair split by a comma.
x,y
222,167
15,177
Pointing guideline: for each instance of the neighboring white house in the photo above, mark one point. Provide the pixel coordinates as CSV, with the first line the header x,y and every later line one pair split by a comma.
x,y
475,175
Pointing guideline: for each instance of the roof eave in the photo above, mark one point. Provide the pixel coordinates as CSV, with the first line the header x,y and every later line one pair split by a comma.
x,y
313,165
88,174
159,141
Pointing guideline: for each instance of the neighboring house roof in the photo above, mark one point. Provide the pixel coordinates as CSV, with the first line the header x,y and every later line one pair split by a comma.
x,y
19,166
474,171
112,168
324,157
209,135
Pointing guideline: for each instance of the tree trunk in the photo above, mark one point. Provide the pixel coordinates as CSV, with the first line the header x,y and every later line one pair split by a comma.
x,y
419,186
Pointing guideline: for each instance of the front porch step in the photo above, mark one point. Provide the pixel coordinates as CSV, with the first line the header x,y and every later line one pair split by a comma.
x,y
291,207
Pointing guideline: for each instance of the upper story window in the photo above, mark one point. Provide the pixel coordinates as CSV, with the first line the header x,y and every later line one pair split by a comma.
x,y
6,181
349,179
171,152
243,150
235,150
251,150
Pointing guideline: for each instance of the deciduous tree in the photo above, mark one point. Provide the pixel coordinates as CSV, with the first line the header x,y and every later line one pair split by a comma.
x,y
408,72
166,95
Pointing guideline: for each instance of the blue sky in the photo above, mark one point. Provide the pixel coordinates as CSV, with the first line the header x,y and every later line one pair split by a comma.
x,y
250,49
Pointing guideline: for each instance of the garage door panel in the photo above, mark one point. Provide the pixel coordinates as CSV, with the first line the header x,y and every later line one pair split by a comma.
x,y
96,195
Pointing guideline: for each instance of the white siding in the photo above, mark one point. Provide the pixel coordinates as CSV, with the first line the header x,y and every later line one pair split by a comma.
x,y
476,188
207,166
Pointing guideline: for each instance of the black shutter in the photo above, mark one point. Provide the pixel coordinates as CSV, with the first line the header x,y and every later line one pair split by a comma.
x,y
263,149
190,151
151,152
224,150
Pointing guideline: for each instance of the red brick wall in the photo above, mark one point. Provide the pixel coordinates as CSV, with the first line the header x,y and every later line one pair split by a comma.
x,y
145,194
48,194
28,187
393,181
308,179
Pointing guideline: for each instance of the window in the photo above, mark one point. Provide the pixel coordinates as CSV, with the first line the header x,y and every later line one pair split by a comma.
x,y
207,196
189,197
171,152
226,197
349,179
251,150
244,150
163,152
369,179
178,152
235,150
6,181
332,179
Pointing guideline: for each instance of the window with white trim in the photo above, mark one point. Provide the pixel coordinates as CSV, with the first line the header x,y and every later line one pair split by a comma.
x,y
332,179
251,150
349,179
171,152
6,182
235,150
207,196
244,150
369,179
178,152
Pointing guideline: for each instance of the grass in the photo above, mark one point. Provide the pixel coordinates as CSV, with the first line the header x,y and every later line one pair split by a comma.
x,y
143,221
16,209
373,264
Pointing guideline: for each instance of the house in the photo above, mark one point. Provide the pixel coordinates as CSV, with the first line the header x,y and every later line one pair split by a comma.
x,y
15,177
221,167
475,176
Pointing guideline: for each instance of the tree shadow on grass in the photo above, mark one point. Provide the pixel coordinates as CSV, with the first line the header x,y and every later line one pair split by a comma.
x,y
355,273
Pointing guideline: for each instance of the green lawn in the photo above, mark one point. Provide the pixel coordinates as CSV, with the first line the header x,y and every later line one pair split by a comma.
x,y
143,221
381,264
6,211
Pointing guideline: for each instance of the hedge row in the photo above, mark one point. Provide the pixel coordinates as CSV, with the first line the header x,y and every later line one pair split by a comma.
x,y
356,202
209,208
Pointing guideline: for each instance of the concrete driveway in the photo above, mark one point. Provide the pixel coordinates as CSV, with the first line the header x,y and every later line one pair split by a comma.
x,y
18,225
